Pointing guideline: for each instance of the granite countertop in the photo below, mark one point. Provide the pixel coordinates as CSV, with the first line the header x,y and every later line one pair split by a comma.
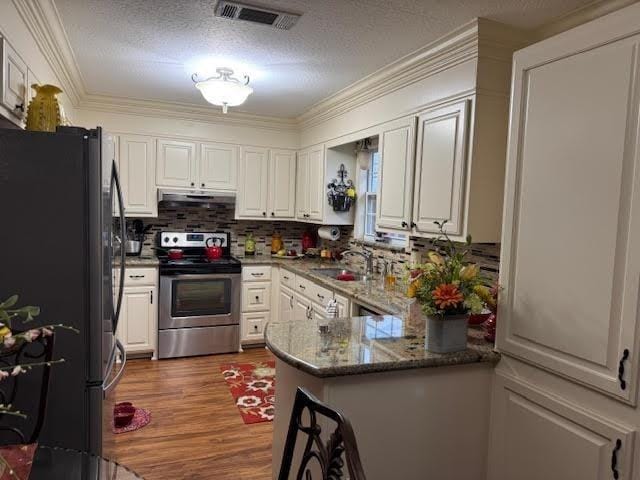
x,y
370,294
141,261
361,345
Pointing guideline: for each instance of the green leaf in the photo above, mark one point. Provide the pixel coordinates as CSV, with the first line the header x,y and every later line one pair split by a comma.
x,y
9,302
28,312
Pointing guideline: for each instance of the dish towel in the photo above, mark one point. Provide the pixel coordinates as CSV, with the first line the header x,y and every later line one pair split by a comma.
x,y
332,308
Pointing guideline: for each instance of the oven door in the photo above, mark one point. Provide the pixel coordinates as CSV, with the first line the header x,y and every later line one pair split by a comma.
x,y
199,300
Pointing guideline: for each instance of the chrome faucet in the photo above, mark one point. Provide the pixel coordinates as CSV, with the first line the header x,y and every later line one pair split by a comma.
x,y
368,260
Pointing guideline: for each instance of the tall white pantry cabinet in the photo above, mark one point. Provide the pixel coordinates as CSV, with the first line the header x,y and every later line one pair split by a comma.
x,y
565,400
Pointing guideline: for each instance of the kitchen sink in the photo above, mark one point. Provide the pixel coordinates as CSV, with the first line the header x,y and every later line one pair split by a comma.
x,y
336,272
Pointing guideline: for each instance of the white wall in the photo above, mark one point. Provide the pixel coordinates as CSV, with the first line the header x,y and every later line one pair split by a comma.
x,y
13,28
181,128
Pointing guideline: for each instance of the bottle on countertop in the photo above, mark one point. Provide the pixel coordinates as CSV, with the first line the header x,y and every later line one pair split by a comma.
x,y
276,243
250,245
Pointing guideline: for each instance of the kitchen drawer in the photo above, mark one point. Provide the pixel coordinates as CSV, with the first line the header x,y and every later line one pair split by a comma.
x,y
287,278
137,276
304,286
253,325
256,273
320,294
256,296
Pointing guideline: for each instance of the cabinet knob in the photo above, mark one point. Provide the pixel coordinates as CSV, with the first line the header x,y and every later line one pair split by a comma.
x,y
273,214
20,107
255,327
404,225
257,298
193,184
202,185
413,225
264,214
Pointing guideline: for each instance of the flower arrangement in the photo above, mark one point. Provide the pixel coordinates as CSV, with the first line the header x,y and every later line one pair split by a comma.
x,y
447,284
10,340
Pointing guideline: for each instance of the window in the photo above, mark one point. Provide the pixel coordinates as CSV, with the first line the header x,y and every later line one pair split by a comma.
x,y
369,183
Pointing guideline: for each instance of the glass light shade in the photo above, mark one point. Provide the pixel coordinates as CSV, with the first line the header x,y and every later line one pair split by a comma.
x,y
224,92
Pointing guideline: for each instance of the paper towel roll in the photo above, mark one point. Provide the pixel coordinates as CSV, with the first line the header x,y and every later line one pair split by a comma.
x,y
329,233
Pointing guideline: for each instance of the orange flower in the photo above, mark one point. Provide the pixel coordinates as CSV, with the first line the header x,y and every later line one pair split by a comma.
x,y
446,296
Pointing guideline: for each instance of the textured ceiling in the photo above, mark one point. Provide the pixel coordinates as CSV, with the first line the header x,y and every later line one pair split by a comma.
x,y
148,49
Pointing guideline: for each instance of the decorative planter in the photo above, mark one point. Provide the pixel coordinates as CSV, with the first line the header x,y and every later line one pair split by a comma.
x,y
446,334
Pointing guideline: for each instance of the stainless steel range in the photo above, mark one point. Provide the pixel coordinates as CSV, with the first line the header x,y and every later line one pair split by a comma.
x,y
199,309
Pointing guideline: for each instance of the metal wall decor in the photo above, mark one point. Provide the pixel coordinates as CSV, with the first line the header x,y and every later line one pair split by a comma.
x,y
341,195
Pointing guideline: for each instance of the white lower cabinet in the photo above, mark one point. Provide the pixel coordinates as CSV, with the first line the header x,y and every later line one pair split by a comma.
x,y
138,321
344,306
256,303
301,308
537,435
286,304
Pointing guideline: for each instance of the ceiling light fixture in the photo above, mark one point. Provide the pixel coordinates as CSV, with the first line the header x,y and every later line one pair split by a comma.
x,y
223,90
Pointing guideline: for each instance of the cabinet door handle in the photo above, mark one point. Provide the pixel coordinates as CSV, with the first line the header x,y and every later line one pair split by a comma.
x,y
625,356
413,225
151,292
202,185
302,287
614,459
257,298
404,225
255,327
193,184
136,276
321,297
264,214
291,302
285,277
257,274
273,214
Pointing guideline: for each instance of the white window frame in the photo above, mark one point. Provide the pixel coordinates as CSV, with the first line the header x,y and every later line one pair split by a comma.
x,y
378,238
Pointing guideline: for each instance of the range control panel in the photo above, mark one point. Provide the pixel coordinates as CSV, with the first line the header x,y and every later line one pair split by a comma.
x,y
193,239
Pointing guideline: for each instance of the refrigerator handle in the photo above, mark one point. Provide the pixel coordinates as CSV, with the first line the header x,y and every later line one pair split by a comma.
x,y
123,355
123,231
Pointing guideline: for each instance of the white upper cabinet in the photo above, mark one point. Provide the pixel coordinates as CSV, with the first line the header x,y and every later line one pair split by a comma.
x,y
267,188
14,81
176,163
570,258
397,154
316,183
302,185
254,183
136,167
282,184
440,169
218,167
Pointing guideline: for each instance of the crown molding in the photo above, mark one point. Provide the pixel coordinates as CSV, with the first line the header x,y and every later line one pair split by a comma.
x,y
183,111
579,16
446,52
45,25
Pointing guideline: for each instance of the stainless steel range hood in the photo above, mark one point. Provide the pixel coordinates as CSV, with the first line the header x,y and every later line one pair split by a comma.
x,y
177,198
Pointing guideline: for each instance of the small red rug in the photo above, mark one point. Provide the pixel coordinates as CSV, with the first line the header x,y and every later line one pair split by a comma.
x,y
140,419
253,389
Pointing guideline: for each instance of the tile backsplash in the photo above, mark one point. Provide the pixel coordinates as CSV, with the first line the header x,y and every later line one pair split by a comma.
x,y
221,217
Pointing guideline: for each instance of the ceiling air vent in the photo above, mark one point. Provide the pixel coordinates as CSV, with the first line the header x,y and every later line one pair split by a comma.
x,y
252,13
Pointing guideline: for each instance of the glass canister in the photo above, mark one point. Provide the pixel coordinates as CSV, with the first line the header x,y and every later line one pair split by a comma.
x,y
276,243
250,245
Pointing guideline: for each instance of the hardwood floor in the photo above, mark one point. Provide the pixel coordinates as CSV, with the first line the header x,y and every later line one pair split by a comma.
x,y
196,431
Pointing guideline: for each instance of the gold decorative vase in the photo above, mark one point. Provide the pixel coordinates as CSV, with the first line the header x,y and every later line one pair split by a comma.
x,y
43,114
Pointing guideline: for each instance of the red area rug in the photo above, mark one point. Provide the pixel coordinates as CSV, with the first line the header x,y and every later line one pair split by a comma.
x,y
253,389
141,418
16,461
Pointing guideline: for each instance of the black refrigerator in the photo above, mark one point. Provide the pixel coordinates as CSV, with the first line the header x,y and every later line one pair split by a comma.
x,y
61,225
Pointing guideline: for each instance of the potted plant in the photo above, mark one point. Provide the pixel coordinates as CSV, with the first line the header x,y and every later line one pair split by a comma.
x,y
448,290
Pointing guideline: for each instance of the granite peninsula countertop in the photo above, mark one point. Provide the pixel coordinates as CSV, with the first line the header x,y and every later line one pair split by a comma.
x,y
369,294
359,345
